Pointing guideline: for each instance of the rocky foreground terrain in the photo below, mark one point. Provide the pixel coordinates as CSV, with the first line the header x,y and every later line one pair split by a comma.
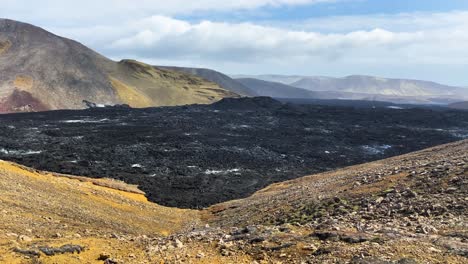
x,y
197,156
406,209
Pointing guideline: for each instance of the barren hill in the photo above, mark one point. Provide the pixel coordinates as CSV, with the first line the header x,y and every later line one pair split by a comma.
x,y
406,209
48,210
42,71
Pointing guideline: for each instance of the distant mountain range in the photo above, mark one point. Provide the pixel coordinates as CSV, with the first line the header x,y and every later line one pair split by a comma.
x,y
42,71
280,90
274,89
284,79
459,105
356,88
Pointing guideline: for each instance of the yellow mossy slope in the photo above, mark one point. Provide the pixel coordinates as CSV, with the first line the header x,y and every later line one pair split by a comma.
x,y
4,46
130,95
40,209
142,85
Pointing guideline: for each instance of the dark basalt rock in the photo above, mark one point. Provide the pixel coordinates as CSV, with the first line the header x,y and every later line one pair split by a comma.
x,y
52,251
248,104
196,156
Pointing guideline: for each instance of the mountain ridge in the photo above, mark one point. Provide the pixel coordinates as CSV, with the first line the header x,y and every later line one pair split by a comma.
x,y
277,90
363,87
60,73
355,83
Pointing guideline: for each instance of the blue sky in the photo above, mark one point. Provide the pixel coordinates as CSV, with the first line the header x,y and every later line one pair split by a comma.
x,y
417,39
340,8
368,7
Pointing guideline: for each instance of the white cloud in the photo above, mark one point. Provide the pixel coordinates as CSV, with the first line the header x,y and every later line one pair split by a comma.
x,y
415,45
434,39
394,22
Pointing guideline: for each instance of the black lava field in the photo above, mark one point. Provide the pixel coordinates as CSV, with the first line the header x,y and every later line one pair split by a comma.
x,y
196,156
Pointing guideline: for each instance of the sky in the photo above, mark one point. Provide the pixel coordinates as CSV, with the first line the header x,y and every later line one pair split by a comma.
x,y
416,39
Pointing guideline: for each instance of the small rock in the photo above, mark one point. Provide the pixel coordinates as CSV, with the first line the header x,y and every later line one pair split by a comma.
x,y
12,235
451,190
225,252
256,240
435,250
25,238
285,228
426,229
407,261
322,251
331,236
104,256
379,200
310,247
178,244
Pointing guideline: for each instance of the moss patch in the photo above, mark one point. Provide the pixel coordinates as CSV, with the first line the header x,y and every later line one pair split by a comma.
x,y
4,46
23,82
130,95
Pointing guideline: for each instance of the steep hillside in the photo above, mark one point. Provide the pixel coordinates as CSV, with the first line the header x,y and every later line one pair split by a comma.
x,y
459,105
41,212
406,209
219,78
42,71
